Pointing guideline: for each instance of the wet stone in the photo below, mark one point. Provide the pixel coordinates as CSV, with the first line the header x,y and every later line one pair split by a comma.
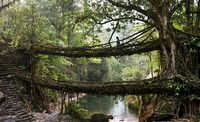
x,y
7,119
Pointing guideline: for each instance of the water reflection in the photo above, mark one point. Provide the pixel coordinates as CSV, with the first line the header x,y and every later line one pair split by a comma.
x,y
109,105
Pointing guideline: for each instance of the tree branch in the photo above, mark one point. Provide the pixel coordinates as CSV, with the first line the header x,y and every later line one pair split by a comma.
x,y
113,33
149,14
125,18
7,5
176,7
192,82
187,34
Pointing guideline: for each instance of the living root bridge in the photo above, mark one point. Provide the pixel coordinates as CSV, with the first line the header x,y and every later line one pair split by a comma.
x,y
155,85
100,50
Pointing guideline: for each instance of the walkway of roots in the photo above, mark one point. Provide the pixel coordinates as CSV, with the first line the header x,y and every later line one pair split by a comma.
x,y
157,85
100,50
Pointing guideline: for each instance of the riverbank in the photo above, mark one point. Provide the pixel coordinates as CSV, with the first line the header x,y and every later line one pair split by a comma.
x,y
53,117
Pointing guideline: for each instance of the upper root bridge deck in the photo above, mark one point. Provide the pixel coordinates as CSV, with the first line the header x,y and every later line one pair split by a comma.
x,y
104,50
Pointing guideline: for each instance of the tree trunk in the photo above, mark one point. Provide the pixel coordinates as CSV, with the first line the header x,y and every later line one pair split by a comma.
x,y
149,107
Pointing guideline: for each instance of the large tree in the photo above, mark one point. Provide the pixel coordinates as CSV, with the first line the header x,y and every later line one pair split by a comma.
x,y
175,22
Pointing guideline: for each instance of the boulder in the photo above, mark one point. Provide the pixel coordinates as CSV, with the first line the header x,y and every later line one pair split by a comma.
x,y
161,117
100,117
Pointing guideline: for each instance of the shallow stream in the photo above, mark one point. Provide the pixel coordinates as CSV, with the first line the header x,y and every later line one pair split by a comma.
x,y
109,105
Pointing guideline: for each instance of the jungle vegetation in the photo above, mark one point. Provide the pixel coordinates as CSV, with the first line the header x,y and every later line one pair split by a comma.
x,y
139,47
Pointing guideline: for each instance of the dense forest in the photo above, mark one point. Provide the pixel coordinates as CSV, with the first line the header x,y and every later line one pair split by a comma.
x,y
143,52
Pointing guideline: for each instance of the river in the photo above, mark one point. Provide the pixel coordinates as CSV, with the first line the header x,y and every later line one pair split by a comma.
x,y
109,105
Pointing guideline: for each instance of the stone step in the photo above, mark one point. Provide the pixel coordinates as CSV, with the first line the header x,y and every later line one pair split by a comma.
x,y
7,118
7,69
21,113
25,116
12,88
5,66
3,78
5,83
5,63
17,108
3,72
8,93
28,119
3,89
12,92
5,106
15,103
12,105
12,101
22,110
7,74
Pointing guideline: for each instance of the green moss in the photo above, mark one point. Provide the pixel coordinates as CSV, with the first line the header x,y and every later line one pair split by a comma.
x,y
167,108
197,118
75,110
134,106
